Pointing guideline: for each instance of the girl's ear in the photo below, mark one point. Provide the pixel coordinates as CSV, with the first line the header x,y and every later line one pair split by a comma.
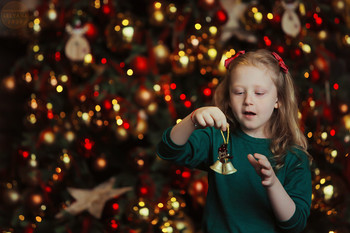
x,y
277,104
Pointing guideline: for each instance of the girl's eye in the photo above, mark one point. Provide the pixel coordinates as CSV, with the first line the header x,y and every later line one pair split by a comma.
x,y
260,93
238,92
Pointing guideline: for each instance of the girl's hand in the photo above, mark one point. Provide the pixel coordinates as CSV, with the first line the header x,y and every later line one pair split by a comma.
x,y
210,116
264,169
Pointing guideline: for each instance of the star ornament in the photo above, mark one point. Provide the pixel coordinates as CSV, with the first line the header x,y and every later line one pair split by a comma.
x,y
93,200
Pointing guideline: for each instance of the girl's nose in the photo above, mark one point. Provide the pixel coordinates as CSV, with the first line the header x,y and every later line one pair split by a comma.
x,y
248,100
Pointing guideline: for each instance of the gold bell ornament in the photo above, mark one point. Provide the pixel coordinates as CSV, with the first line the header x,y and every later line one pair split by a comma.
x,y
223,165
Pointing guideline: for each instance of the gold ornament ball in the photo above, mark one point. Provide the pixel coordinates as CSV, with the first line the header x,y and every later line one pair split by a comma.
x,y
144,97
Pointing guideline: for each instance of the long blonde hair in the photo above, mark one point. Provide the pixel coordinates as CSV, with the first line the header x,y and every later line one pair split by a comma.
x,y
283,124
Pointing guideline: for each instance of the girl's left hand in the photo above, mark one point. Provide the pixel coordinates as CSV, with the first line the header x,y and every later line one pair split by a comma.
x,y
264,169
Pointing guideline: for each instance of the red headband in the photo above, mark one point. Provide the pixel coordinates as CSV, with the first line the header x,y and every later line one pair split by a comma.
x,y
281,63
228,60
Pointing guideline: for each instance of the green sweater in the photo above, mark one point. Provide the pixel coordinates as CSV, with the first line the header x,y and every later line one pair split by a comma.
x,y
238,202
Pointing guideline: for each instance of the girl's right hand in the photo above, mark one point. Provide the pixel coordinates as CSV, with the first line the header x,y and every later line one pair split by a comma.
x,y
210,116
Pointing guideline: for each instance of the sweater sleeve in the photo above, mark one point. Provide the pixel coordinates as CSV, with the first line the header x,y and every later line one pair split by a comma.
x,y
193,154
299,187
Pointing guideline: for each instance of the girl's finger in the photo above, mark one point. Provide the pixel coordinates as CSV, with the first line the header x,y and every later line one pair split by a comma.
x,y
263,161
254,162
208,120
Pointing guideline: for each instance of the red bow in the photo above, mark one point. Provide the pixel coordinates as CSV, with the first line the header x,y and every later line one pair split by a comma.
x,y
228,60
280,62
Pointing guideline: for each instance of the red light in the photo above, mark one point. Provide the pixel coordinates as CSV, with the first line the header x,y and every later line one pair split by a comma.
x,y
122,65
143,190
103,60
107,104
307,25
311,90
88,144
280,49
57,56
178,172
207,91
115,206
25,154
336,86
50,114
126,125
48,189
186,174
319,21
188,104
332,133
336,21
114,224
221,16
106,9
182,97
96,93
173,86
267,41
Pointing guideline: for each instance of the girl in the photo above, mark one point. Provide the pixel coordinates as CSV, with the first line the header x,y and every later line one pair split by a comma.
x,y
267,187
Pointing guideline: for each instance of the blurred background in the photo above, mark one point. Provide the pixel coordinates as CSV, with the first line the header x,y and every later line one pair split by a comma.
x,y
88,87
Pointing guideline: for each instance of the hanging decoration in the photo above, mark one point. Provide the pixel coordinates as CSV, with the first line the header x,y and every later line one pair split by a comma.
x,y
290,21
77,46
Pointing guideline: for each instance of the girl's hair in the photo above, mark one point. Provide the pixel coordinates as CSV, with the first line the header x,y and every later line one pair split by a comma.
x,y
284,123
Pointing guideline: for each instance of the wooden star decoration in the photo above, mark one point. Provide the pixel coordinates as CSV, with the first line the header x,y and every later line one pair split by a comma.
x,y
93,200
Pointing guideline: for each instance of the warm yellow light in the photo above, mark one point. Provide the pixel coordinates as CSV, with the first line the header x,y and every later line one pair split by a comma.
x,y
306,48
212,53
36,48
88,58
184,60
40,57
98,108
128,33
119,122
125,22
270,16
129,72
213,30
59,88
158,16
197,26
258,17
167,98
156,87
157,5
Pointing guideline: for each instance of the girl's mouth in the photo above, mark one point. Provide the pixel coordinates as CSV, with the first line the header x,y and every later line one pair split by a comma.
x,y
248,113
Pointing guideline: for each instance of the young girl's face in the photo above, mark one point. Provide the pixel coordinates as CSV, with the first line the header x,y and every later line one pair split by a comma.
x,y
253,97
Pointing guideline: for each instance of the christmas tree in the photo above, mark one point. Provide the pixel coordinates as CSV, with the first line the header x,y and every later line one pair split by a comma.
x,y
93,85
